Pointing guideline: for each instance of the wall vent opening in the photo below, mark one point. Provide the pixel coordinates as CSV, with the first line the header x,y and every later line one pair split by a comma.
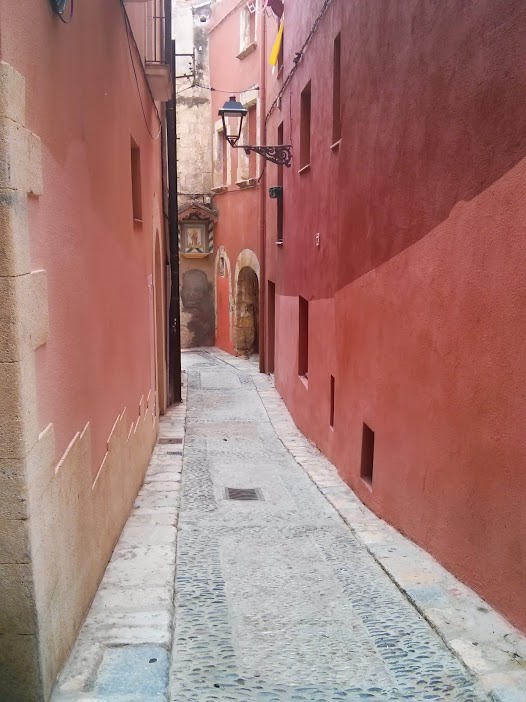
x,y
303,338
305,126
136,182
279,201
336,91
367,464
331,417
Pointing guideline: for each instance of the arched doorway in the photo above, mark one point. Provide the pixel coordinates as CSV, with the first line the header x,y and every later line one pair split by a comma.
x,y
247,312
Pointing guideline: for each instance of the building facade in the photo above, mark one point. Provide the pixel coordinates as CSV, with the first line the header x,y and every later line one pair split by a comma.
x,y
194,154
395,300
235,60
82,310
218,54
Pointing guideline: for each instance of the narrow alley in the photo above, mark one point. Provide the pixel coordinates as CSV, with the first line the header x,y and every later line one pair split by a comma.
x,y
275,598
262,330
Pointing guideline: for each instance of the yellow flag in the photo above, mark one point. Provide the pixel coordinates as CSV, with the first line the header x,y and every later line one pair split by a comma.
x,y
277,46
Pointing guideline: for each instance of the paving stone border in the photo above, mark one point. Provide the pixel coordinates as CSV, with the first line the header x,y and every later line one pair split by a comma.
x,y
489,646
123,649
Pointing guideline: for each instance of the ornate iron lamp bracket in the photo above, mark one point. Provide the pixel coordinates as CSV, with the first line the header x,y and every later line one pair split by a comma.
x,y
281,155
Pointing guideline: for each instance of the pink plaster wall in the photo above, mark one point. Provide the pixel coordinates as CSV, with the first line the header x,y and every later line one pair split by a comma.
x,y
83,102
417,289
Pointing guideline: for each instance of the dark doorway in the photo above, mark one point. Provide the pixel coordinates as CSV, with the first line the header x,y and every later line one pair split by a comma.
x,y
247,312
271,325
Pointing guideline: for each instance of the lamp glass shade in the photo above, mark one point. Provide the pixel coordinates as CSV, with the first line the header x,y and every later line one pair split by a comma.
x,y
232,114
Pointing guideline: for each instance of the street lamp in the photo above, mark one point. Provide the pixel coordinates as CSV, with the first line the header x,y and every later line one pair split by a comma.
x,y
232,114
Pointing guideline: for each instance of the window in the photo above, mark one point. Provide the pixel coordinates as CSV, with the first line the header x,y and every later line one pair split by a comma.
x,y
305,126
367,463
271,314
336,91
303,338
279,201
136,182
252,139
247,33
331,414
234,161
224,157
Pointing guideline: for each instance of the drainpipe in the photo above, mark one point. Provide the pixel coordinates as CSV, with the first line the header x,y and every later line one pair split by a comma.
x,y
174,312
263,200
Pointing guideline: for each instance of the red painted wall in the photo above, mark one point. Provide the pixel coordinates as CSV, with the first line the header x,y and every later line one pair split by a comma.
x,y
417,288
83,102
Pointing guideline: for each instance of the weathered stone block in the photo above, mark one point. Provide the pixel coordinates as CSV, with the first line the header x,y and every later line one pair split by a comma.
x,y
35,182
19,676
23,315
18,412
14,147
17,606
12,94
14,541
13,491
14,234
21,165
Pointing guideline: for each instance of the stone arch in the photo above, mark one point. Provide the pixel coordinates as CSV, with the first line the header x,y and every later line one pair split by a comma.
x,y
246,258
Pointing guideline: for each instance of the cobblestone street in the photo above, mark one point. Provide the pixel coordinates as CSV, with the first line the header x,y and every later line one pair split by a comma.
x,y
276,598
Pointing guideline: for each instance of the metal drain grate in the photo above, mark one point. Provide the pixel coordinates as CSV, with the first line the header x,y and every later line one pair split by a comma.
x,y
169,441
246,494
174,453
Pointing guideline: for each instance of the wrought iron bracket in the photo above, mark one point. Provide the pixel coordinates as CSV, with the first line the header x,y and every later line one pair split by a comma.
x,y
281,155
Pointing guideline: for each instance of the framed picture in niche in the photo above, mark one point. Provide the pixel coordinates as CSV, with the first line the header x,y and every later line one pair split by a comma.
x,y
194,240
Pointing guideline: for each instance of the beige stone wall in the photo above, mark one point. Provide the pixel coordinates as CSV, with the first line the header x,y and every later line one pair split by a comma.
x,y
57,526
194,147
198,322
23,327
194,152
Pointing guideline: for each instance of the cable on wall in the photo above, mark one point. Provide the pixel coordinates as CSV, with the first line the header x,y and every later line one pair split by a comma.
x,y
217,90
298,56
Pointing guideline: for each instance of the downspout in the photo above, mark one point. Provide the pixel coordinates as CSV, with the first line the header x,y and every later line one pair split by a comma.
x,y
263,200
174,312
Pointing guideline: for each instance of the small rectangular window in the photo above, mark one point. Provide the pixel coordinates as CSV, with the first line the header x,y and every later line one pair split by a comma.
x,y
280,200
251,27
136,185
367,463
331,415
305,126
303,338
224,157
336,91
271,314
252,139
234,161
